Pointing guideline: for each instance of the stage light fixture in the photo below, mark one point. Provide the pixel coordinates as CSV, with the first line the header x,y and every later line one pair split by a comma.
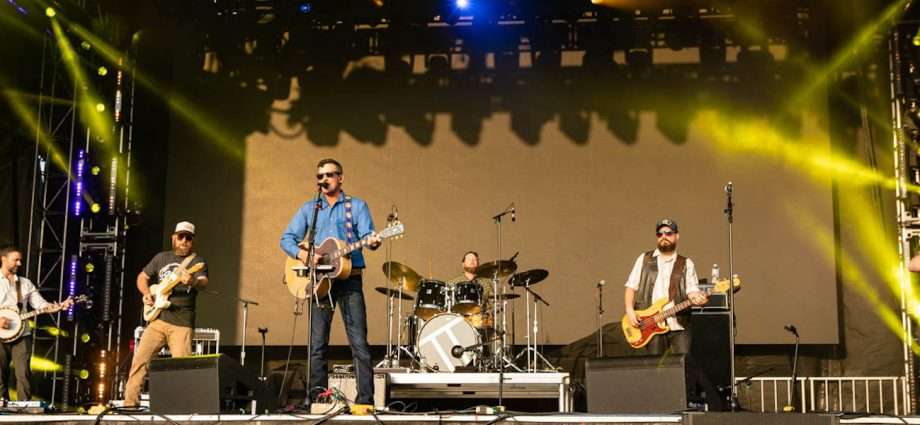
x,y
84,338
89,267
100,107
305,8
95,170
83,374
50,12
462,4
85,45
102,71
95,208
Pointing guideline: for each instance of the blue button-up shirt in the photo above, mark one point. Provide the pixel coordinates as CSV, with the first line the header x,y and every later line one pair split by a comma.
x,y
330,223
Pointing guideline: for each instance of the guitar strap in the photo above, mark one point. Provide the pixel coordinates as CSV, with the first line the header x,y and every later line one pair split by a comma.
x,y
184,266
19,305
349,222
676,274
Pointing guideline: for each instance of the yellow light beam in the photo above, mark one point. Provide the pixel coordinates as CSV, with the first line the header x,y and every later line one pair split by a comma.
x,y
26,114
99,122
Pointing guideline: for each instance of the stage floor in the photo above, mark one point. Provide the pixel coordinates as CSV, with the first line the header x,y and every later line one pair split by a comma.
x,y
394,419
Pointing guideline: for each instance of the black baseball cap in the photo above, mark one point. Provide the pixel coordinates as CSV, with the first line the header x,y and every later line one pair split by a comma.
x,y
666,222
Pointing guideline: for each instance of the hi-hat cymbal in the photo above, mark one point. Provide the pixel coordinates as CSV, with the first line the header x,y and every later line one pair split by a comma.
x,y
394,293
402,274
502,268
530,277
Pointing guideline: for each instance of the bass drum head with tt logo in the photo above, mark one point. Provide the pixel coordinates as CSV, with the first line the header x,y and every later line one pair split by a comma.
x,y
441,334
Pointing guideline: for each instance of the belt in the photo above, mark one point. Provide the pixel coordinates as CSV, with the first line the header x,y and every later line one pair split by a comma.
x,y
356,272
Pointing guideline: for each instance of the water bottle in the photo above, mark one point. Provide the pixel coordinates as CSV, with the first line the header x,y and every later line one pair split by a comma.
x,y
715,274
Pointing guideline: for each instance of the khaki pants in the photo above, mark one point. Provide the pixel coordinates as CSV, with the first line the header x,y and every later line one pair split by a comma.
x,y
157,334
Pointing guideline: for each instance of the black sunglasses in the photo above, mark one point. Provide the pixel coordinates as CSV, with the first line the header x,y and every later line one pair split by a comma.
x,y
185,236
666,233
329,174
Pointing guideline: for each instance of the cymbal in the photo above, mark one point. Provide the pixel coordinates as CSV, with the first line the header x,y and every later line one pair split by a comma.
x,y
402,274
501,267
530,277
394,293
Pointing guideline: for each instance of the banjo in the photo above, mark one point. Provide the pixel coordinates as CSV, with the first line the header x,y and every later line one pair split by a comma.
x,y
16,320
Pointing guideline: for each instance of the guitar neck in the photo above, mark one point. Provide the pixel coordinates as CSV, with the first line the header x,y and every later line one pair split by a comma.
x,y
34,313
348,249
670,312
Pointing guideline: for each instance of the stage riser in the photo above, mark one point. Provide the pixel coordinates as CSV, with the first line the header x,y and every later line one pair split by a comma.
x,y
741,418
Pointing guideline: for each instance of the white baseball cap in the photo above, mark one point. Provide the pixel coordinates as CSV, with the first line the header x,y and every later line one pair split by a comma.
x,y
185,227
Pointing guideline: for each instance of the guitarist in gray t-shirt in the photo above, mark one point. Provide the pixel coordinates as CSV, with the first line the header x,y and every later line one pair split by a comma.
x,y
169,284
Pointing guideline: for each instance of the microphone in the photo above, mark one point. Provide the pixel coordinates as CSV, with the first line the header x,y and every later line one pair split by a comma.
x,y
324,185
457,351
601,283
513,214
514,256
791,329
728,188
395,212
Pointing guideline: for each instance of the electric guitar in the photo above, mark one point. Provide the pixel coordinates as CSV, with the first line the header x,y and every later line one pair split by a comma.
x,y
16,320
334,264
161,292
652,320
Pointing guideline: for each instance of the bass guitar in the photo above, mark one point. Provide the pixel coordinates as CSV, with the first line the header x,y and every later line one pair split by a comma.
x,y
653,320
162,290
334,264
15,321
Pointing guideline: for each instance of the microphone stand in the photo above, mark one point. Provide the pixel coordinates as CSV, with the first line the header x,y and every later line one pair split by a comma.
x,y
311,249
245,326
495,287
600,319
794,407
262,376
729,215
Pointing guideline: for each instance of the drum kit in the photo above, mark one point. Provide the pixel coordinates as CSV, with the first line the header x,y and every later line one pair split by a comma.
x,y
458,327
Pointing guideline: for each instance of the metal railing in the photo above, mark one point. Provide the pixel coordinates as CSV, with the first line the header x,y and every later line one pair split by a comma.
x,y
869,394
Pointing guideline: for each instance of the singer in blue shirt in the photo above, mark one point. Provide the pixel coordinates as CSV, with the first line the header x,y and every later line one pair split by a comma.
x,y
332,221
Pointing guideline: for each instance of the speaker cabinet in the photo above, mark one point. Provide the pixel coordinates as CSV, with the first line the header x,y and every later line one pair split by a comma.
x,y
710,346
204,384
636,384
747,418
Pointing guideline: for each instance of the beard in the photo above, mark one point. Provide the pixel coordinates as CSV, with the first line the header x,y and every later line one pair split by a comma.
x,y
181,251
667,247
469,269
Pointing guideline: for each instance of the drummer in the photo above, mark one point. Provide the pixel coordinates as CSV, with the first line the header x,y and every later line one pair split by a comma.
x,y
470,263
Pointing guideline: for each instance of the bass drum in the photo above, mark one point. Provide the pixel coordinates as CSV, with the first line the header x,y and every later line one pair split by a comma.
x,y
440,335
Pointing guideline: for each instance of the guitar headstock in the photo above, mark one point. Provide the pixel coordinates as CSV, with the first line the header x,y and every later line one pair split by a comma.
x,y
722,285
393,230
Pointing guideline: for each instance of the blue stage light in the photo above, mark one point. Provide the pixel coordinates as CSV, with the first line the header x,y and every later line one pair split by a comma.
x,y
462,4
305,8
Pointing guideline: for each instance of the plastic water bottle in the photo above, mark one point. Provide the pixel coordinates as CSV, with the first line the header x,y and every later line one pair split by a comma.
x,y
715,274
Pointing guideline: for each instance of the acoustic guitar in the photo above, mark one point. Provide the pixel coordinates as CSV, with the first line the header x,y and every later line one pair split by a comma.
x,y
334,264
652,320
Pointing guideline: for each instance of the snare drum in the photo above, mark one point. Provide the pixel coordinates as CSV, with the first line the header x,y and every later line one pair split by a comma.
x,y
467,298
432,298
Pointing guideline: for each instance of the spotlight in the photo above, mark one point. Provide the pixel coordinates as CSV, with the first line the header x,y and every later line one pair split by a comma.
x,y
462,4
102,71
95,208
85,45
304,8
100,107
95,170
83,374
84,338
49,11
89,267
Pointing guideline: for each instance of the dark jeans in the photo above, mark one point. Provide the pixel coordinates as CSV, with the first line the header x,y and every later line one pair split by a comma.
x,y
349,298
20,352
679,342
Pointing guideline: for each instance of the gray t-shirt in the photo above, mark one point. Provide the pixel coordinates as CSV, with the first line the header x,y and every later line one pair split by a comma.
x,y
182,310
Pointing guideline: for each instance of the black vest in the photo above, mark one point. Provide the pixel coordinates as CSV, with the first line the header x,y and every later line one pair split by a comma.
x,y
677,288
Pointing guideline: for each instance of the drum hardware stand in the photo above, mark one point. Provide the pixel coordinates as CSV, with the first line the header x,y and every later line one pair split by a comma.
x,y
262,376
729,215
533,354
393,357
245,327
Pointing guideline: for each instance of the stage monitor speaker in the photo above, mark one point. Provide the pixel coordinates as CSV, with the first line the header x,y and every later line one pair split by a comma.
x,y
205,384
636,384
710,346
749,418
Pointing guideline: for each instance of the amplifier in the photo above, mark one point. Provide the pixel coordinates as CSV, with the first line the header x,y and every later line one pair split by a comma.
x,y
717,301
207,385
204,341
346,383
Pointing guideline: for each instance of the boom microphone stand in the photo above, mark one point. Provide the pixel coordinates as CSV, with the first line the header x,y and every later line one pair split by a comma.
x,y
495,287
729,215
794,406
